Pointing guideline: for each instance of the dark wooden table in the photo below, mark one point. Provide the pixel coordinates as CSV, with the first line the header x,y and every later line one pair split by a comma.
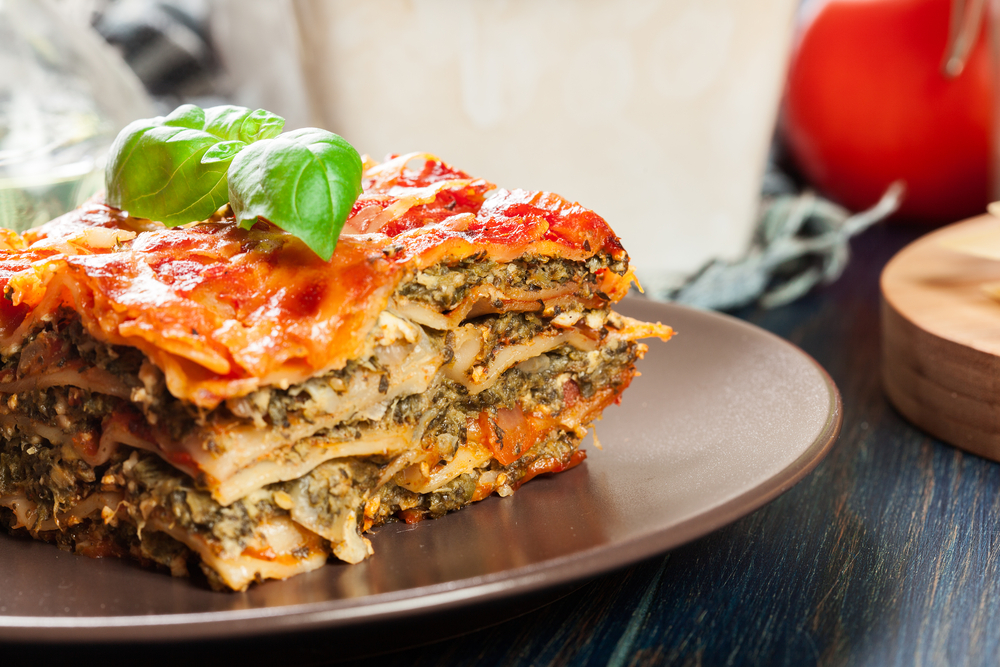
x,y
887,554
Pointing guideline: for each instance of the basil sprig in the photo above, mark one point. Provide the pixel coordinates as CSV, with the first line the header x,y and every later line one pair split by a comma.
x,y
182,167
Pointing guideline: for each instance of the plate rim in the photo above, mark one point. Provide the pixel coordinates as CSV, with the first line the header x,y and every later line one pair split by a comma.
x,y
443,597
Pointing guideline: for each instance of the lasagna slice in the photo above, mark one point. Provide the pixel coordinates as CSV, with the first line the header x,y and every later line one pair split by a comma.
x,y
213,395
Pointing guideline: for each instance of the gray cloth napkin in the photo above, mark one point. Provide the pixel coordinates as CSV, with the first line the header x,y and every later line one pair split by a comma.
x,y
801,240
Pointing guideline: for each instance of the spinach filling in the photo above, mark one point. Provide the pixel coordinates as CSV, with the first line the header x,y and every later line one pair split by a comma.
x,y
445,285
51,476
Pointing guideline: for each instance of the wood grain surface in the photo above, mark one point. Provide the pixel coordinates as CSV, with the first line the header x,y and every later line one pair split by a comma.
x,y
941,338
887,554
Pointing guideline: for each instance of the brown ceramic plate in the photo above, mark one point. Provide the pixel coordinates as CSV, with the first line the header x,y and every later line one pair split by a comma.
x,y
724,418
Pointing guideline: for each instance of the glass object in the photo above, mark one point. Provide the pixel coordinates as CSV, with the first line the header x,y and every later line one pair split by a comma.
x,y
657,114
64,95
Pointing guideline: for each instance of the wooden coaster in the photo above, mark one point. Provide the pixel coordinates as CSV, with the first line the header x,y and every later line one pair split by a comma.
x,y
941,338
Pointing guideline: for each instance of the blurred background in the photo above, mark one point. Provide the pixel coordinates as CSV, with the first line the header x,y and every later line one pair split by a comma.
x,y
734,146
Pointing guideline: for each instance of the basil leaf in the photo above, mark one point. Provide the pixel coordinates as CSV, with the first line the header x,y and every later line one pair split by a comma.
x,y
186,115
173,168
304,181
224,151
241,124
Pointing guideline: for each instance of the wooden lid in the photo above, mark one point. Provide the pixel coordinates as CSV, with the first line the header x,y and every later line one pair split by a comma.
x,y
941,338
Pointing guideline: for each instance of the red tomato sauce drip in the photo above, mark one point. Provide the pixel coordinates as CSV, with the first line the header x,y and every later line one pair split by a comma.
x,y
99,547
571,394
182,458
11,316
549,466
411,516
509,434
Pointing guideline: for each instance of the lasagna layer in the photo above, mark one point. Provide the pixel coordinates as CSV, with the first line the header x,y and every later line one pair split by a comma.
x,y
217,395
477,444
